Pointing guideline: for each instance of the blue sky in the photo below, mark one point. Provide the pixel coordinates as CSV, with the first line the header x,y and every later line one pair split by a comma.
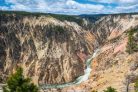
x,y
73,7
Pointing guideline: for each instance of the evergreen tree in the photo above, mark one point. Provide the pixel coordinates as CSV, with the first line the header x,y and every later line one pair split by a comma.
x,y
110,89
131,44
17,83
136,86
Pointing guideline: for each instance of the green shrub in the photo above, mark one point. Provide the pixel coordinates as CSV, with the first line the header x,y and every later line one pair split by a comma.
x,y
94,91
17,83
110,89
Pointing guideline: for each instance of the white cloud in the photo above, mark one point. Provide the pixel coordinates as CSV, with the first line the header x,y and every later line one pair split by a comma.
x,y
54,6
4,8
79,6
71,6
20,7
116,1
121,5
127,7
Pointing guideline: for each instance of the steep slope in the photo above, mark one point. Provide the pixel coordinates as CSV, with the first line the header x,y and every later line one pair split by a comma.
x,y
113,66
51,51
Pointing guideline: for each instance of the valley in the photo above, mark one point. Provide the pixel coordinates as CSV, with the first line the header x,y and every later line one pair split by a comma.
x,y
59,52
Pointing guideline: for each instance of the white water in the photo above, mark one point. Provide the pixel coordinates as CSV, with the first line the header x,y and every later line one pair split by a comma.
x,y
79,80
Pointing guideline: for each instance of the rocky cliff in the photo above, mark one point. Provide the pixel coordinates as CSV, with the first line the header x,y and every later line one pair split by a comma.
x,y
53,51
114,66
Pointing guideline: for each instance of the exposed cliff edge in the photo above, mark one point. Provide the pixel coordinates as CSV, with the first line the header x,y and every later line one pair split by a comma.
x,y
50,50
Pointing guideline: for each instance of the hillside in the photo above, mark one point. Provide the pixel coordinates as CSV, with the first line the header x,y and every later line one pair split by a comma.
x,y
114,66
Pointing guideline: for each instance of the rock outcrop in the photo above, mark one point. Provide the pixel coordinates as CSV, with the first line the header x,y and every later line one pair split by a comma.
x,y
49,50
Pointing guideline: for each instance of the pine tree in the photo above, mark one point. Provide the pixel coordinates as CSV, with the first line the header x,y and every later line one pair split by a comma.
x,y
136,86
131,44
110,89
17,83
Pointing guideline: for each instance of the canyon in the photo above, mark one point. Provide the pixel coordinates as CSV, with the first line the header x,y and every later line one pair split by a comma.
x,y
53,49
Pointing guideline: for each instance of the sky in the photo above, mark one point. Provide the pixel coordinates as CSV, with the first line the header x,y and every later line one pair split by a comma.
x,y
71,7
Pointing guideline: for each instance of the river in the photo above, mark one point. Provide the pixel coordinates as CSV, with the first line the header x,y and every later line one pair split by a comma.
x,y
80,79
